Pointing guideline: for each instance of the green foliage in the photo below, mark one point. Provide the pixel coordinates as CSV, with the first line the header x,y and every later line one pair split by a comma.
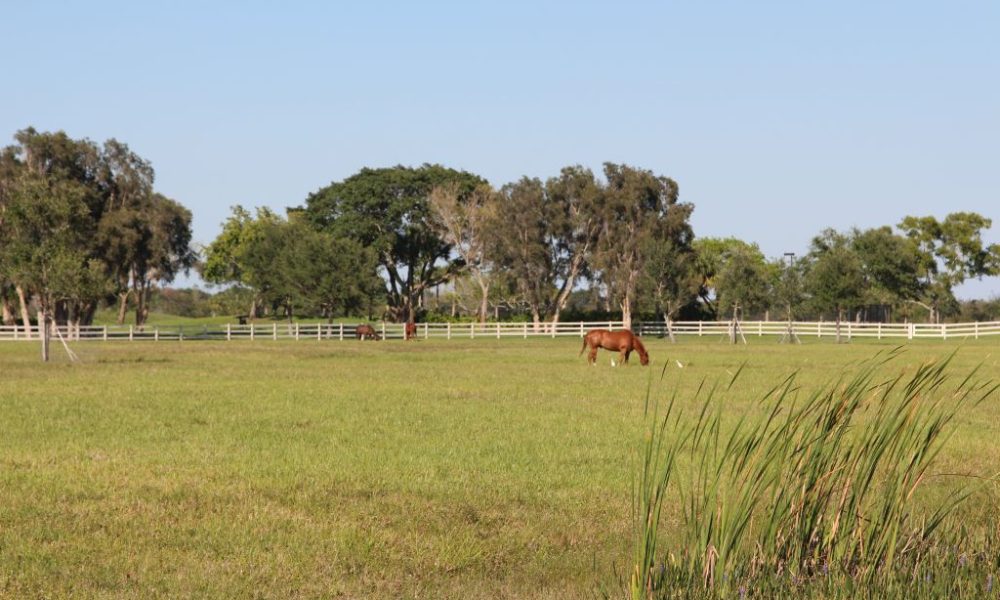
x,y
387,210
835,277
950,251
84,222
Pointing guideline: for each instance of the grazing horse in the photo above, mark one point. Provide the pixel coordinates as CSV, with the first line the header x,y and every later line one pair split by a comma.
x,y
410,331
623,341
366,331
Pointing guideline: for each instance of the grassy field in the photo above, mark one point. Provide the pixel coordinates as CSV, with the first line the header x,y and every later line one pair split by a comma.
x,y
474,469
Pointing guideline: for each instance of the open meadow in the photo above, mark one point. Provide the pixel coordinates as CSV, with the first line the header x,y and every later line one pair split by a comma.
x,y
474,469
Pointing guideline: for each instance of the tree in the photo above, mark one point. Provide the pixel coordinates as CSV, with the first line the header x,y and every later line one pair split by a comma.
x,y
671,277
388,210
638,206
950,251
469,225
742,283
545,236
225,261
294,266
43,238
711,256
890,266
835,278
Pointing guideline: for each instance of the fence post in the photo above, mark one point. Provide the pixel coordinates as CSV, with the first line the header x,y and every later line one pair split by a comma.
x,y
383,330
848,331
449,330
156,334
251,331
472,331
426,330
944,331
498,330
581,328
554,327
341,332
910,331
976,330
699,328
760,329
229,332
296,332
105,333
525,324
130,333
819,328
880,330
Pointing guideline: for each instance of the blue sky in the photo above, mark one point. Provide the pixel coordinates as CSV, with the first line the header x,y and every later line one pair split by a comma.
x,y
777,119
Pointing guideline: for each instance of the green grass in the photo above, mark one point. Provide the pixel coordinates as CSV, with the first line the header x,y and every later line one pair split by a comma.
x,y
472,469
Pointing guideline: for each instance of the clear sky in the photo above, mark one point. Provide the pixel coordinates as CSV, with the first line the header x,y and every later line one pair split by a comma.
x,y
777,119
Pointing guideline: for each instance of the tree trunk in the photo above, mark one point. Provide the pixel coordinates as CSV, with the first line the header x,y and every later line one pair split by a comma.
x,y
536,319
25,317
670,328
626,305
123,305
484,306
141,306
8,313
43,330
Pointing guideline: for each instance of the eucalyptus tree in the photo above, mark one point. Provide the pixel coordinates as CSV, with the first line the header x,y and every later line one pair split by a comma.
x,y
469,223
44,244
545,235
639,209
388,210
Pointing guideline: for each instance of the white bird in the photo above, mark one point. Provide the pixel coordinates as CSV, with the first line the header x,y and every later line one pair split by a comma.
x,y
679,365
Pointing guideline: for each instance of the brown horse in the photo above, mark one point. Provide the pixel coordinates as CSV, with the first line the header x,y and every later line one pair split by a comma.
x,y
623,341
366,331
410,331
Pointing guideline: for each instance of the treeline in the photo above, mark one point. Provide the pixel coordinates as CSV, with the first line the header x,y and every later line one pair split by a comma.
x,y
81,225
393,238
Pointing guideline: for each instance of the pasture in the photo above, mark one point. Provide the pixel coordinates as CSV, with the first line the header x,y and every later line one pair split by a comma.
x,y
463,468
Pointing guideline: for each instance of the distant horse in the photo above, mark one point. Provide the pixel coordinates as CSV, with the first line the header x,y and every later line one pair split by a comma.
x,y
410,331
623,341
366,331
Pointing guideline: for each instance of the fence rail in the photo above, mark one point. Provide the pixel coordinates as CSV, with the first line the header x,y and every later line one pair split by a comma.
x,y
340,331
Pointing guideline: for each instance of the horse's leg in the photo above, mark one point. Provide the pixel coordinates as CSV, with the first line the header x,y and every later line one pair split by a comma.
x,y
627,354
622,357
592,357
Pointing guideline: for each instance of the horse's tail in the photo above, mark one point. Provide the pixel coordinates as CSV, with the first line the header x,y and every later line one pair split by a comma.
x,y
584,346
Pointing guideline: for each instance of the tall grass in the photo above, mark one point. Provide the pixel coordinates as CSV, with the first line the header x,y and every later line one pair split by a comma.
x,y
813,495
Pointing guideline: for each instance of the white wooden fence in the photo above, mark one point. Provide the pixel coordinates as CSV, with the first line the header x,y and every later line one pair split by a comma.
x,y
340,331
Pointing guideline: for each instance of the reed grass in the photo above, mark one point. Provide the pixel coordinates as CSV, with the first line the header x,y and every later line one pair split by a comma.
x,y
813,496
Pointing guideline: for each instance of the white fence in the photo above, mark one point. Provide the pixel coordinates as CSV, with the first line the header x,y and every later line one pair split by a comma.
x,y
339,331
